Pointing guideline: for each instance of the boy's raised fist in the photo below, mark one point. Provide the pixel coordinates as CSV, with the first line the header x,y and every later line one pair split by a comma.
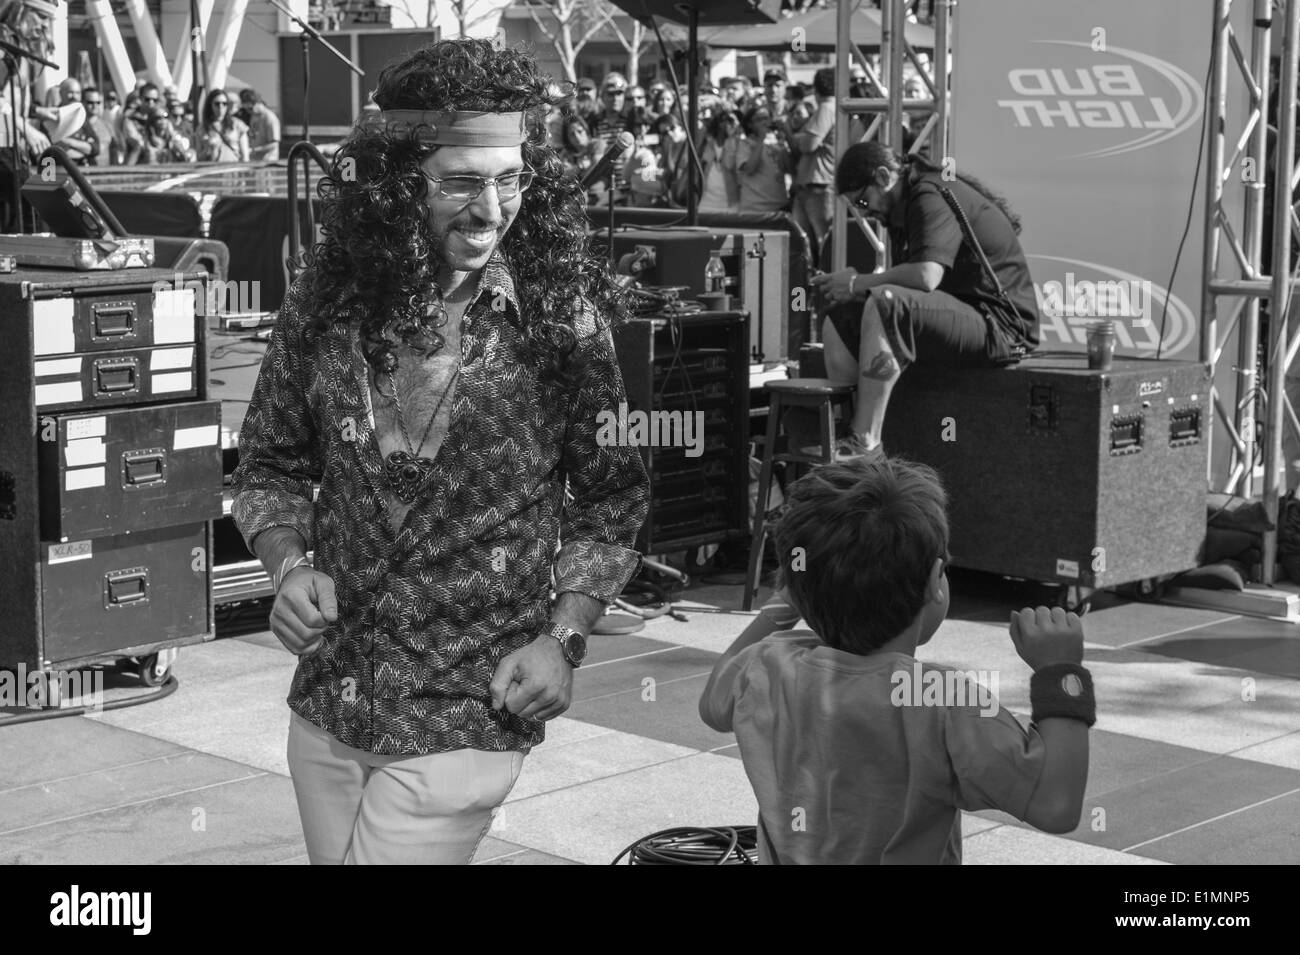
x,y
1047,635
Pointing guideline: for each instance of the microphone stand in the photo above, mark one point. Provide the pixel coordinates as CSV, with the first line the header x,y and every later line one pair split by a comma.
x,y
309,33
609,191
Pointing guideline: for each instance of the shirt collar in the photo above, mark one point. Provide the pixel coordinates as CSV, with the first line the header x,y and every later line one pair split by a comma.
x,y
497,280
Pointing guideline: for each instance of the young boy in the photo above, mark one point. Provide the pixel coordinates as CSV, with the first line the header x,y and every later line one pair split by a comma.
x,y
849,764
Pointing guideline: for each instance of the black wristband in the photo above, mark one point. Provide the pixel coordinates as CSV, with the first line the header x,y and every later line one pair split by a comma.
x,y
1062,690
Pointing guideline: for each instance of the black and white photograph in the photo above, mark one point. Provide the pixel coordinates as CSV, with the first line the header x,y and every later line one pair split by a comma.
x,y
651,432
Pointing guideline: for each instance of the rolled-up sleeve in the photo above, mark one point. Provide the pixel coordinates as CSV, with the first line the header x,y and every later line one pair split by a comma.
x,y
609,491
279,446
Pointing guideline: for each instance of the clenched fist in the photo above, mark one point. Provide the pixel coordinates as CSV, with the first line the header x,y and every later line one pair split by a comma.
x,y
1047,635
304,607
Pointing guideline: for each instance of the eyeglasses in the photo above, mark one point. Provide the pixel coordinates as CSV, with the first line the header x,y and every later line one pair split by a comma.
x,y
465,188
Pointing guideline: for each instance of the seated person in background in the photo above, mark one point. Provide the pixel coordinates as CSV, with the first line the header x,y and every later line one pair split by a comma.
x,y
99,130
662,100
673,159
221,136
853,762
164,143
131,127
176,112
80,148
263,126
717,148
641,169
937,305
762,160
574,144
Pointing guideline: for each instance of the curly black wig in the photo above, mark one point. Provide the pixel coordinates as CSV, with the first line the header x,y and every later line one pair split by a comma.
x,y
378,259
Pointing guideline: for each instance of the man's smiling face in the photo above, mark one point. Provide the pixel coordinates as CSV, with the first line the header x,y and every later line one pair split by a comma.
x,y
469,230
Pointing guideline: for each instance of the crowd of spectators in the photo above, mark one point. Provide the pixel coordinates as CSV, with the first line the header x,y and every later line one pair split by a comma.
x,y
154,125
768,148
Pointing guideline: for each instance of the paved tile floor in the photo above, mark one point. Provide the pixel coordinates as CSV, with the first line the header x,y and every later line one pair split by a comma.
x,y
1195,755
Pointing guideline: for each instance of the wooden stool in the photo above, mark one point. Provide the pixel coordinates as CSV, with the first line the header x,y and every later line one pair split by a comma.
x,y
819,393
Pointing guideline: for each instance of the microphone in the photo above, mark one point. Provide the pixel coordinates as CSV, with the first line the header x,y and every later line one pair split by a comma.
x,y
617,148
15,50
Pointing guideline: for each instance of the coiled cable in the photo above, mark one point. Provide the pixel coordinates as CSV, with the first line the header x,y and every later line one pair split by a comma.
x,y
690,845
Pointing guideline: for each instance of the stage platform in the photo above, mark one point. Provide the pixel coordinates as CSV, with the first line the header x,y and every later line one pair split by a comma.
x,y
1182,769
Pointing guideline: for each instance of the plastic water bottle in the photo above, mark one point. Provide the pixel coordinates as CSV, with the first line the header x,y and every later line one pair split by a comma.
x,y
715,275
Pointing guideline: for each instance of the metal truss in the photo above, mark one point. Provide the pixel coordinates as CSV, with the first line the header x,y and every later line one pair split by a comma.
x,y
881,115
1236,171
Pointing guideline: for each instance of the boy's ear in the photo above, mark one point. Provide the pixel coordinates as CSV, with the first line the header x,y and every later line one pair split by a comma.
x,y
934,590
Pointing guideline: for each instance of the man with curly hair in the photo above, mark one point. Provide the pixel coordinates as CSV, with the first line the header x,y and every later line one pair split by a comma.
x,y
440,369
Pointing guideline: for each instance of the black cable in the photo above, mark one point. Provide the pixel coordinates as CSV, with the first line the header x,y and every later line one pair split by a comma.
x,y
1191,203
645,599
687,845
168,687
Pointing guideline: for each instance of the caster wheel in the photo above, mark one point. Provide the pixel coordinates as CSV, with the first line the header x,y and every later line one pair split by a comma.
x,y
154,669
1151,588
1075,599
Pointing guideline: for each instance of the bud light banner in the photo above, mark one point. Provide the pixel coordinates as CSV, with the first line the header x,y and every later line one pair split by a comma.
x,y
1087,118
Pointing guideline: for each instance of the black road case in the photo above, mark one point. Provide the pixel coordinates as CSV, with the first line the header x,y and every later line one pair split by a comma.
x,y
77,588
1060,474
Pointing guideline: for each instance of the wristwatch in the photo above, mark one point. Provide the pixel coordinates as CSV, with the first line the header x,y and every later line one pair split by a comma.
x,y
572,643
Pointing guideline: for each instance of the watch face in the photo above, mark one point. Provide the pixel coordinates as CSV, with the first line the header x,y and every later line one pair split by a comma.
x,y
575,647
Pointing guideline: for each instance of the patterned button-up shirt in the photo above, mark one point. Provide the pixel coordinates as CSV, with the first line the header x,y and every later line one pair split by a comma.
x,y
426,614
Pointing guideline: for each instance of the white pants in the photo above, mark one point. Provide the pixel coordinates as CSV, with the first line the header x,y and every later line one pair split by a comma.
x,y
360,808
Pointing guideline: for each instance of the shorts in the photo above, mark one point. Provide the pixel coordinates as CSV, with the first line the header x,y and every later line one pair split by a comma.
x,y
932,327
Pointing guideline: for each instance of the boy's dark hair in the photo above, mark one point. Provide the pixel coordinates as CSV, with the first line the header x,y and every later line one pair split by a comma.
x,y
856,547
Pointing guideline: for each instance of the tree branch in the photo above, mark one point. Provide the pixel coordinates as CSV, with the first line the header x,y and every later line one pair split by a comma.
x,y
607,17
532,12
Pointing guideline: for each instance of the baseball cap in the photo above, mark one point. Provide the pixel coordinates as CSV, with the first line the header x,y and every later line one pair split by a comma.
x,y
774,75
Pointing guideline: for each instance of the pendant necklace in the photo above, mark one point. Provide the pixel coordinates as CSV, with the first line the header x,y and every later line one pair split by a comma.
x,y
408,473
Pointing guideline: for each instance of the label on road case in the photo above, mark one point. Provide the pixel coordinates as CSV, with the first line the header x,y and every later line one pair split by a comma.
x,y
74,550
1067,568
87,428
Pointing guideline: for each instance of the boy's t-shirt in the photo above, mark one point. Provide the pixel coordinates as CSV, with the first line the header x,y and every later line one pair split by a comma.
x,y
845,773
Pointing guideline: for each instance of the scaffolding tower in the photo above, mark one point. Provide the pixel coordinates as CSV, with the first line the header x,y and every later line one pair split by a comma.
x,y
882,113
1229,176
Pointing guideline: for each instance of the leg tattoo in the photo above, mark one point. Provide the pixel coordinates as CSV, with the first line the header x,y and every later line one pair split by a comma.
x,y
884,367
